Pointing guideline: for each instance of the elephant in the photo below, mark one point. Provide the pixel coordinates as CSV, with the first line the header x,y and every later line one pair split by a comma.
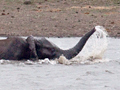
x,y
18,48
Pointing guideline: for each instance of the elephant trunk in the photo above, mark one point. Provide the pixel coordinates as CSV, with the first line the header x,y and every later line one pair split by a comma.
x,y
69,54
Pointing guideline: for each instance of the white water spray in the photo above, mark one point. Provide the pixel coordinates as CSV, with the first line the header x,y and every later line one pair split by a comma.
x,y
92,52
94,49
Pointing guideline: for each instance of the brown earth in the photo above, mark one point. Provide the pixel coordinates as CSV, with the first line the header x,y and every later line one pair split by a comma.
x,y
59,18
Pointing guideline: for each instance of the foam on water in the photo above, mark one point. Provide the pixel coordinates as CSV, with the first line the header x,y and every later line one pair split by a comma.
x,y
96,45
93,52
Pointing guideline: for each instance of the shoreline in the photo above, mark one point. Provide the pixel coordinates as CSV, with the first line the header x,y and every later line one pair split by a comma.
x,y
58,18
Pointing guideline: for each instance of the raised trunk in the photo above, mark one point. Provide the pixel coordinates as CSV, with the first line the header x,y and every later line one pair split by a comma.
x,y
78,47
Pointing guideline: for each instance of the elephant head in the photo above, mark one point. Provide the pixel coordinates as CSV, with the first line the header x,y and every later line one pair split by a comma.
x,y
46,49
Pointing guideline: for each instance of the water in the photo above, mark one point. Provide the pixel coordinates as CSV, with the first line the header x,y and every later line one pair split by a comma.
x,y
47,75
92,52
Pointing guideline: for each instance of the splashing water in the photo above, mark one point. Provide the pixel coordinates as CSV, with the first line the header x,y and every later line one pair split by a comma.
x,y
92,52
94,49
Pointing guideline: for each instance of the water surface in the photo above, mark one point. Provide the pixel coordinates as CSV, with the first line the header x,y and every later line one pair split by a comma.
x,y
88,76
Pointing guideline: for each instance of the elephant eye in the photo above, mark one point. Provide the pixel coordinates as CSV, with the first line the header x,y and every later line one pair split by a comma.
x,y
50,49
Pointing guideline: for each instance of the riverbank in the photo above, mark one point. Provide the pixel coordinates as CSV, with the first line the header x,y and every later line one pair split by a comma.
x,y
58,18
